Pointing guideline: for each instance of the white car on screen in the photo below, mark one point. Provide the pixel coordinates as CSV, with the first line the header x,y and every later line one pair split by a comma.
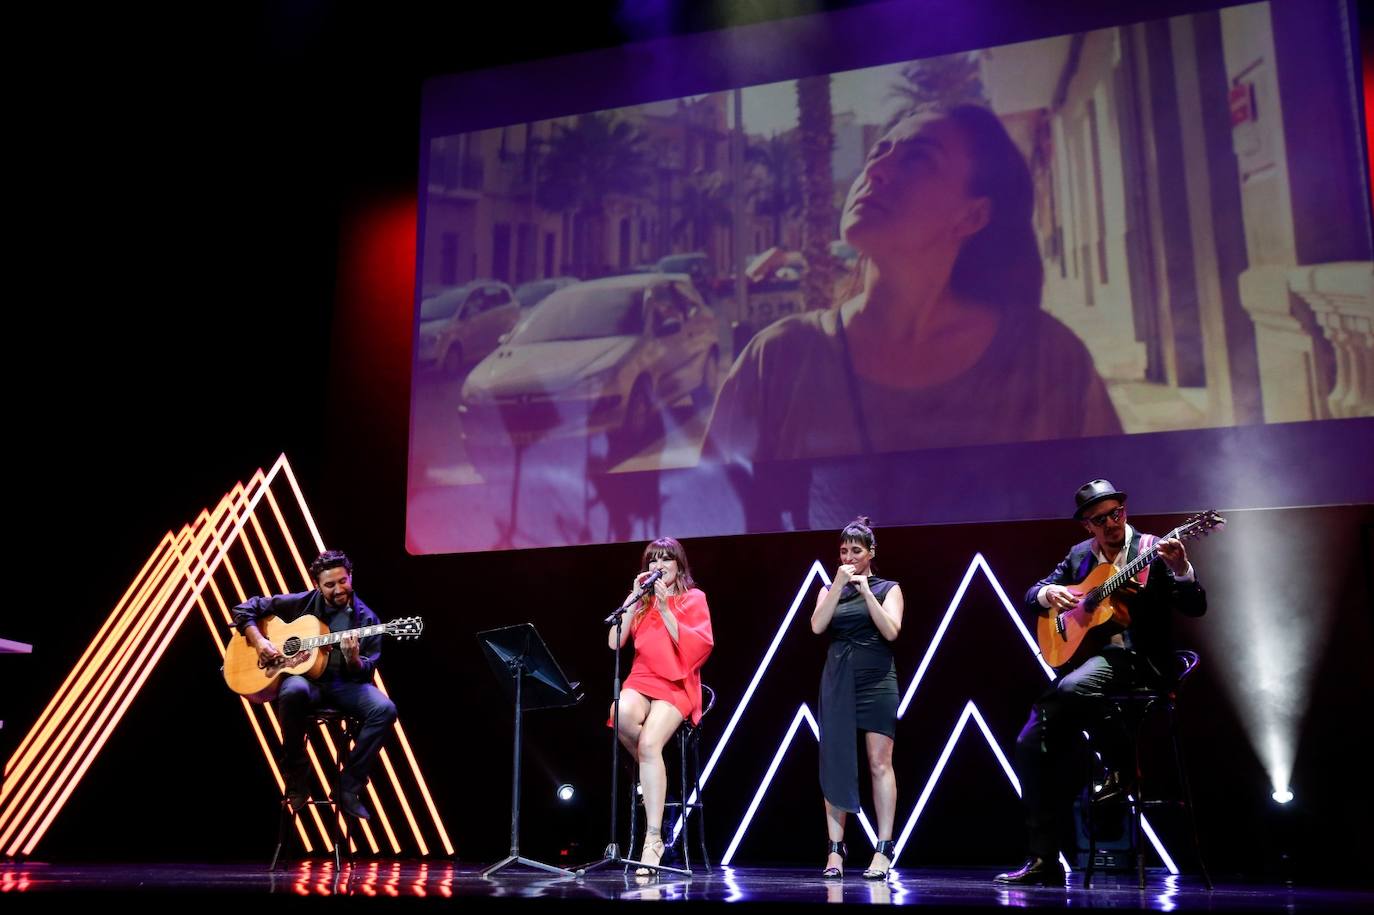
x,y
599,356
535,291
459,326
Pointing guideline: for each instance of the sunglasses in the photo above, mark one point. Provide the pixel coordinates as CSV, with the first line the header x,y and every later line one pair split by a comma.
x,y
1113,515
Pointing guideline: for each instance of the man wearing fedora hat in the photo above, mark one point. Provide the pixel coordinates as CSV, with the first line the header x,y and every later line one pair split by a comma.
x,y
1137,656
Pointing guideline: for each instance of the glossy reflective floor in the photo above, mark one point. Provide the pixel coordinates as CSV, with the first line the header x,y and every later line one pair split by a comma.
x,y
417,882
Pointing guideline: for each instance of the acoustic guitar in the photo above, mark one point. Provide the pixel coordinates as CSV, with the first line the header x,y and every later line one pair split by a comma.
x,y
1103,608
303,644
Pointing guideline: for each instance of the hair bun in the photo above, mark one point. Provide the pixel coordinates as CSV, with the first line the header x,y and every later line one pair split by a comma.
x,y
860,530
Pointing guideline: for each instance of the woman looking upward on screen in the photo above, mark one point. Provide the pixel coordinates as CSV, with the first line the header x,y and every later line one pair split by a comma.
x,y
944,343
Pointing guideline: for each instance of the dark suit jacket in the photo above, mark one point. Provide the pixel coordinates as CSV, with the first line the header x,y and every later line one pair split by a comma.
x,y
1151,631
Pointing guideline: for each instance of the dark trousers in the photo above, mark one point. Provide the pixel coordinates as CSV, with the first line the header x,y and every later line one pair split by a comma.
x,y
1048,747
299,696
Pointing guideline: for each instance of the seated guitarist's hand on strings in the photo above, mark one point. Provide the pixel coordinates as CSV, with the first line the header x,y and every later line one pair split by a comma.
x,y
1175,555
1060,598
267,652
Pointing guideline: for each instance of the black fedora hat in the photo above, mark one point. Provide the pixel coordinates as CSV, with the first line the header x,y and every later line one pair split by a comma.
x,y
1092,492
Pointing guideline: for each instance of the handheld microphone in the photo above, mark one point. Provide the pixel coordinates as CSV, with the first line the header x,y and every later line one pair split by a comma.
x,y
647,584
644,587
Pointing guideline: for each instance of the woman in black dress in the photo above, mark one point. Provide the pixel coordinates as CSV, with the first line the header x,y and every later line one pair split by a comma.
x,y
863,614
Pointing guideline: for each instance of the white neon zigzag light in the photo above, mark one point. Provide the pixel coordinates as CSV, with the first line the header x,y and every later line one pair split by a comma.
x,y
970,711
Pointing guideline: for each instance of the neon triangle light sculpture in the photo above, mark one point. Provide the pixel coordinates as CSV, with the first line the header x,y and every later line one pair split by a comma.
x,y
254,541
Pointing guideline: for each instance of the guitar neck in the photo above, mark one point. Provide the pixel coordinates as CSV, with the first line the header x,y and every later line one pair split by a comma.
x,y
1132,568
333,638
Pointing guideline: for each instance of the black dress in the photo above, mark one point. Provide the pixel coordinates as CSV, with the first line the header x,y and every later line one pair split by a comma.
x,y
858,692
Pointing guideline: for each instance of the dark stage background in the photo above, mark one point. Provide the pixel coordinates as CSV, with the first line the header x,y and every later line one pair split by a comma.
x,y
218,222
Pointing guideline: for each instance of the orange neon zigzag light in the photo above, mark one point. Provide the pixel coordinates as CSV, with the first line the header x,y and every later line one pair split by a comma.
x,y
208,555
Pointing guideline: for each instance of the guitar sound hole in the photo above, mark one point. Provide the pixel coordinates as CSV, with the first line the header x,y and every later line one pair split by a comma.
x,y
291,646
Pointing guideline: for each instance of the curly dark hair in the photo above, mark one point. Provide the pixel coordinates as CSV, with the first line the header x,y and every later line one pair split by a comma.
x,y
330,559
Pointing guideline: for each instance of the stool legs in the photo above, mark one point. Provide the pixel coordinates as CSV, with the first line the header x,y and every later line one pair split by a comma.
x,y
283,817
687,746
1187,796
682,773
1137,807
1091,866
700,804
1137,804
636,797
334,831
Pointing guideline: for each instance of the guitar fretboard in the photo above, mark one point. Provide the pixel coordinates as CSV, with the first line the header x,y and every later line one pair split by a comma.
x,y
333,638
1132,568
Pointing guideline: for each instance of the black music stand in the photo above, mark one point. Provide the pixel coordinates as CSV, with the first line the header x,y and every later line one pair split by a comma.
x,y
531,679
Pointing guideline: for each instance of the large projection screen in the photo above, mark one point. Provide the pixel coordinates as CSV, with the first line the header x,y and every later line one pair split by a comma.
x,y
899,260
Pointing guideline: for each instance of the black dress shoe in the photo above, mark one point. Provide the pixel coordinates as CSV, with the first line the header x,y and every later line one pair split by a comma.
x,y
1035,872
1113,789
352,804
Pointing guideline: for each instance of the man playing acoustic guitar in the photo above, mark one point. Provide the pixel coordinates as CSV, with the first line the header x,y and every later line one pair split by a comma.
x,y
345,683
1134,649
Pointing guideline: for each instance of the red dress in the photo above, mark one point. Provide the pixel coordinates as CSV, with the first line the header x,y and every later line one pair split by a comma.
x,y
667,670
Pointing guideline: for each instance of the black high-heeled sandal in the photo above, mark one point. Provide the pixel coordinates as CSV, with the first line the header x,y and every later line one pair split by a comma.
x,y
888,849
833,873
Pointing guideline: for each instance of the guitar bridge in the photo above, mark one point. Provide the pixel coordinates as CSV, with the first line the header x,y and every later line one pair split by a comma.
x,y
1059,624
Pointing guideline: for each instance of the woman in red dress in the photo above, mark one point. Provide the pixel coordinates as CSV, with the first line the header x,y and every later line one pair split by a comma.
x,y
671,628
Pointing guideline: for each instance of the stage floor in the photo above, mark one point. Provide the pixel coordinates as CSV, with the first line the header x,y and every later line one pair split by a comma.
x,y
423,883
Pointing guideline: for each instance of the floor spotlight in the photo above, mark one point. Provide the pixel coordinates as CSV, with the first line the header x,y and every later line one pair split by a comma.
x,y
1282,796
565,793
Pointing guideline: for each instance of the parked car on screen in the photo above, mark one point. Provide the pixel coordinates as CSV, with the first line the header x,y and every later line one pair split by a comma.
x,y
535,291
603,355
698,266
459,326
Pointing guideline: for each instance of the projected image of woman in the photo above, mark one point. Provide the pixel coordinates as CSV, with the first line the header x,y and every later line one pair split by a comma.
x,y
671,628
945,343
863,614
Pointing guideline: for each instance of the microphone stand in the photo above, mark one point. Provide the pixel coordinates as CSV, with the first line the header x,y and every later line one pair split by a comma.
x,y
612,855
